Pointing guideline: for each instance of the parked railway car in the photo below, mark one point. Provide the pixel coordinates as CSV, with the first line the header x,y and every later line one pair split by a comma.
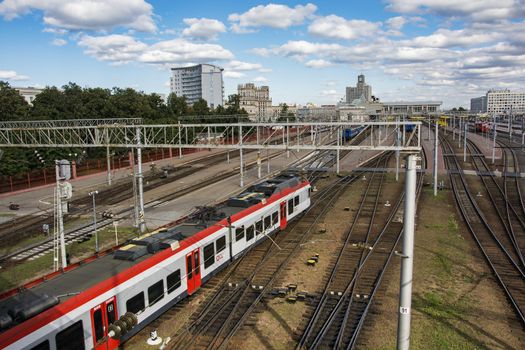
x,y
482,127
410,127
93,304
350,133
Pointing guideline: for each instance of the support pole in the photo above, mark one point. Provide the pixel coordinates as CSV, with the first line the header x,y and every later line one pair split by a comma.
x,y
258,164
268,160
338,148
407,260
240,156
428,135
494,132
453,127
108,160
465,142
435,159
180,141
142,223
60,218
397,151
287,139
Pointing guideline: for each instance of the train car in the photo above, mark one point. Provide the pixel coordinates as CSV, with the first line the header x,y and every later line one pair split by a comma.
x,y
482,127
350,133
101,303
410,127
443,121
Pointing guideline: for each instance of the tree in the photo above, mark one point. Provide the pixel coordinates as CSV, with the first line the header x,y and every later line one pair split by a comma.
x,y
49,104
200,107
461,109
177,105
12,105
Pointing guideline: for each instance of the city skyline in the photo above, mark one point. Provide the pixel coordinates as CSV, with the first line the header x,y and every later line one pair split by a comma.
x,y
305,51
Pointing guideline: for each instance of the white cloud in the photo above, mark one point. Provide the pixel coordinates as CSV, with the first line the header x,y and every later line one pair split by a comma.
x,y
395,24
452,38
479,10
121,49
243,66
271,15
204,28
260,80
12,75
233,74
320,63
59,42
85,14
340,28
57,31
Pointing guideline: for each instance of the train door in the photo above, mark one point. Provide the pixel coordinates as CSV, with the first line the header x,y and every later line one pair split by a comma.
x,y
101,317
193,271
283,215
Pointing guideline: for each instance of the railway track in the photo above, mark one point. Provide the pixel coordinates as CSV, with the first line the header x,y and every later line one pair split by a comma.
x,y
338,315
507,272
511,232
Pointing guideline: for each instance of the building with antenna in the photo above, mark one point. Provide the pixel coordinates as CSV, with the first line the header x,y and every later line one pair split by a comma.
x,y
361,91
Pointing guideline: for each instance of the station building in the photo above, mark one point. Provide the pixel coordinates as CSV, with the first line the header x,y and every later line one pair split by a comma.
x,y
411,107
201,81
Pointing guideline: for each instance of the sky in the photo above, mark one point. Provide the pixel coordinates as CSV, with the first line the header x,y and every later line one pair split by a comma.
x,y
448,50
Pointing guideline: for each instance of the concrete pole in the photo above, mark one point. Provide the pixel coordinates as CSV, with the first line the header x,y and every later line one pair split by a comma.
x,y
397,152
453,127
228,156
142,223
494,132
259,164
460,133
339,135
465,142
436,159
240,156
108,159
60,218
287,139
407,260
180,141
428,135
92,194
268,159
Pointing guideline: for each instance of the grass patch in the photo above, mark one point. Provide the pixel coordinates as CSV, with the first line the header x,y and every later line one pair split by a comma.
x,y
15,275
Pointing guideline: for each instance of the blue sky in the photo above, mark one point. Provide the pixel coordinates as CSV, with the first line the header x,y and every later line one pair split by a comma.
x,y
305,51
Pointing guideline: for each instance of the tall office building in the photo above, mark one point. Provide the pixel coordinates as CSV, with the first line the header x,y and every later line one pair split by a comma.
x,y
361,91
200,81
478,104
505,101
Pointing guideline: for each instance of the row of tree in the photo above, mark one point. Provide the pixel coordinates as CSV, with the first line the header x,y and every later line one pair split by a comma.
x,y
75,102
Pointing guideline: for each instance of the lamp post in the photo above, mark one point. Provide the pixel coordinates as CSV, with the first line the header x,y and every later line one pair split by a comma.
x,y
92,194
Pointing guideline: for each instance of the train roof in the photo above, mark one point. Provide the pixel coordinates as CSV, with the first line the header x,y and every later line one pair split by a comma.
x,y
28,303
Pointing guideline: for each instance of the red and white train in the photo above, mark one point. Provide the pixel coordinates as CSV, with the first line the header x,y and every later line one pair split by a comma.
x,y
77,308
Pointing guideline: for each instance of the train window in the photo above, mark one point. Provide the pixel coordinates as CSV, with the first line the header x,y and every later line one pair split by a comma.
x,y
136,303
296,201
239,233
42,346
258,227
267,222
290,206
196,263
189,266
220,244
156,292
275,218
71,338
249,232
98,324
111,312
209,255
173,281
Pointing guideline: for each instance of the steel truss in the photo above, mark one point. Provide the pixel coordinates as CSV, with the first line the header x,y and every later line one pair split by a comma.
x,y
68,123
289,136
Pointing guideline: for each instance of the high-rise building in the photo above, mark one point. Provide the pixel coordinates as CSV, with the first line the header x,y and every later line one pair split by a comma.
x,y
255,100
478,104
200,81
362,91
505,101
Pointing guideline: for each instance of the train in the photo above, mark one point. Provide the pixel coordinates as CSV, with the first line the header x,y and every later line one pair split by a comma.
x,y
102,302
482,126
350,133
410,127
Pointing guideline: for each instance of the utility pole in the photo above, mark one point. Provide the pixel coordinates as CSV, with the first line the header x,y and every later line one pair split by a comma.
x,y
142,223
494,132
407,255
108,159
180,141
397,151
240,156
465,141
60,218
435,158
92,194
338,146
